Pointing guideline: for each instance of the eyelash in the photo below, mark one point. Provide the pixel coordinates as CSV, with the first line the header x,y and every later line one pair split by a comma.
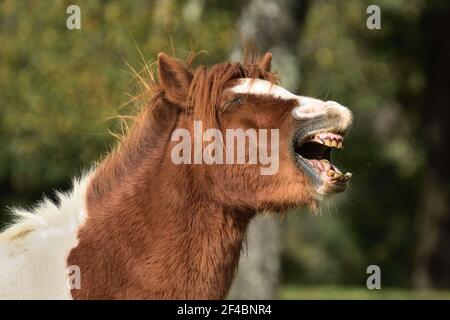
x,y
234,101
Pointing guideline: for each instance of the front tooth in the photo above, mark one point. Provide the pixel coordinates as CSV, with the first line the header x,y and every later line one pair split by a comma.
x,y
328,143
339,144
334,143
326,165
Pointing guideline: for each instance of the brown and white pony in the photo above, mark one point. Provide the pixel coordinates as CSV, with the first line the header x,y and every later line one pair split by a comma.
x,y
140,226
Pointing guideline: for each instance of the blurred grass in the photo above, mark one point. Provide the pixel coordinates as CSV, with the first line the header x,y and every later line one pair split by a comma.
x,y
290,292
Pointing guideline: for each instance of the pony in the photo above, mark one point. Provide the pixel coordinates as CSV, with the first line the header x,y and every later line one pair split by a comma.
x,y
139,225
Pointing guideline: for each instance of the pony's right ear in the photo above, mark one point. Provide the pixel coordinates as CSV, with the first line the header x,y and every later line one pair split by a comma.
x,y
175,78
266,62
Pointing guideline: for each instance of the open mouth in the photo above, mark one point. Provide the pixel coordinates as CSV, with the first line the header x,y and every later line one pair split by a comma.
x,y
313,155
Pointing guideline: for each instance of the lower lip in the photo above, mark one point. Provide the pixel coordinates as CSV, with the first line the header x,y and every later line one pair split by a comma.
x,y
318,179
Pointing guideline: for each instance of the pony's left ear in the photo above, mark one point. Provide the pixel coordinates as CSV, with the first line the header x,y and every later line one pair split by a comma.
x,y
266,62
175,79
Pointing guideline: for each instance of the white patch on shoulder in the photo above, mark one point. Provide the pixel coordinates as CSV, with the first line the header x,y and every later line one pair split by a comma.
x,y
34,250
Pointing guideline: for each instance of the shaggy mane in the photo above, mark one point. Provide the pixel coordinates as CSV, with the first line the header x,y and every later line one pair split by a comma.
x,y
207,86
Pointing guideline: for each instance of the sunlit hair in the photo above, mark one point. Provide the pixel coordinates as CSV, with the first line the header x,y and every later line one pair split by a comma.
x,y
206,88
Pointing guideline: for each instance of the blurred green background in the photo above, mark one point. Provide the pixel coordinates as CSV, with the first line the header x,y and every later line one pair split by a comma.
x,y
59,89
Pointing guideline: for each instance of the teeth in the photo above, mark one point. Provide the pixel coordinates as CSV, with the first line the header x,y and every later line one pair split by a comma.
x,y
332,174
319,140
329,139
332,143
337,175
328,143
325,164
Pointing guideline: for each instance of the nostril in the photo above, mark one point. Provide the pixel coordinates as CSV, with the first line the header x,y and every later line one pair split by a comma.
x,y
336,106
309,108
345,115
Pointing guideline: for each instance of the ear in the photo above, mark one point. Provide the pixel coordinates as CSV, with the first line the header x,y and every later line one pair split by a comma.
x,y
175,79
266,62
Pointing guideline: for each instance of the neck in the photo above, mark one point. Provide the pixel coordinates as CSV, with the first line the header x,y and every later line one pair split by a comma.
x,y
148,234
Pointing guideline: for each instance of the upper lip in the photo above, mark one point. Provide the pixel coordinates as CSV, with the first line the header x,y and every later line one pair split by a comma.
x,y
318,144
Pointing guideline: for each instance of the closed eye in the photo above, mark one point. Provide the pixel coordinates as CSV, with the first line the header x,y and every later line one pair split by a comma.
x,y
235,101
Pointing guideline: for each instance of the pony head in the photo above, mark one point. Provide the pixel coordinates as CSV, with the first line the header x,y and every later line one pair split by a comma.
x,y
247,142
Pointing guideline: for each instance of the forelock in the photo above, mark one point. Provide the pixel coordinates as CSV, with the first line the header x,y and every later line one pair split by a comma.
x,y
208,85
